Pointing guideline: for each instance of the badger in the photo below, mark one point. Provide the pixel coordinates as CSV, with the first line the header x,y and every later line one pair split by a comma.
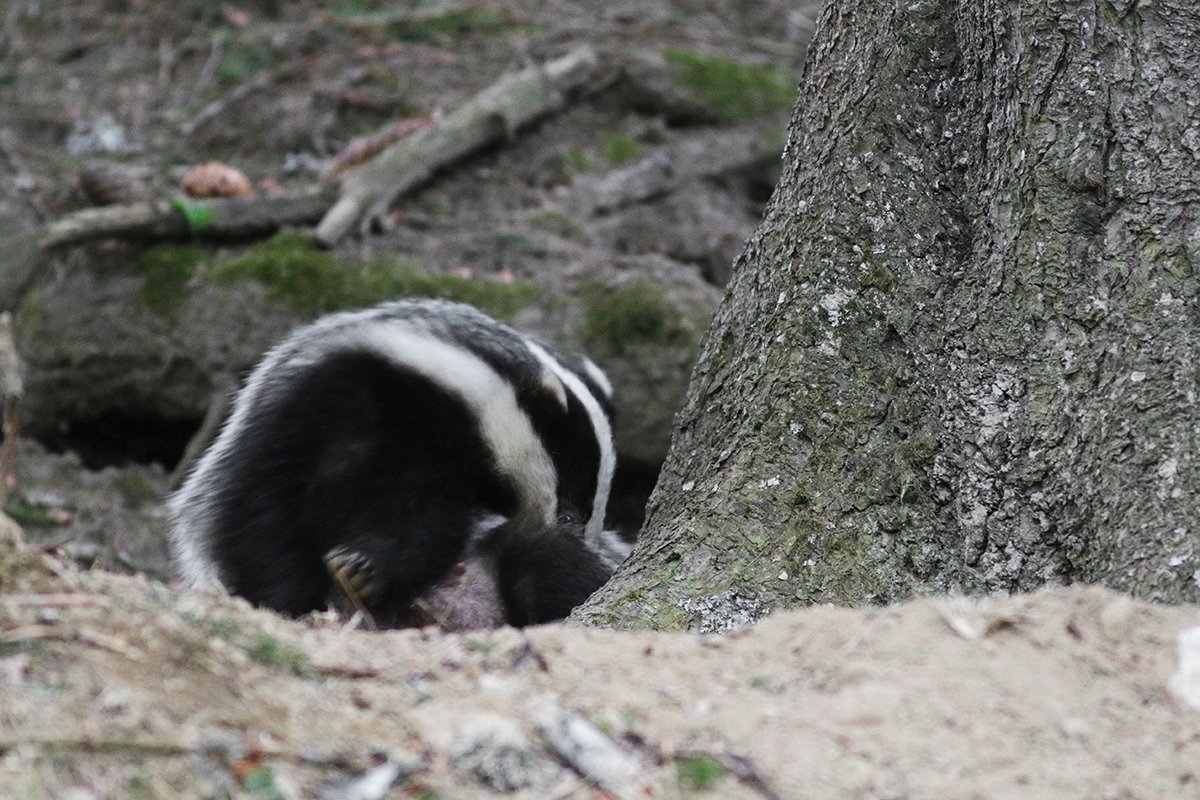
x,y
418,458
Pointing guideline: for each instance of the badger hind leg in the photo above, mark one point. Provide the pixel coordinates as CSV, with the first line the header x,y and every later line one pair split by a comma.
x,y
397,557
353,574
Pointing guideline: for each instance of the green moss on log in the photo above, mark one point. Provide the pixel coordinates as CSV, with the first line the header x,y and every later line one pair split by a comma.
x,y
737,90
166,270
638,311
294,271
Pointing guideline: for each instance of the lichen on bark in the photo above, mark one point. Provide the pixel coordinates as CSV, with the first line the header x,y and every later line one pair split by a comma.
x,y
960,353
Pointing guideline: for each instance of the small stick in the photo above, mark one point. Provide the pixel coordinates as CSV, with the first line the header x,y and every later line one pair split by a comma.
x,y
11,389
213,109
218,406
596,757
216,50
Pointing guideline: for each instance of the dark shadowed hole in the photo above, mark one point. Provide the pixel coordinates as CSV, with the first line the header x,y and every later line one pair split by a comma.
x,y
632,484
118,438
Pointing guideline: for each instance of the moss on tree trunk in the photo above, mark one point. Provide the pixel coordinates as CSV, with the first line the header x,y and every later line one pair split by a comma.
x,y
961,353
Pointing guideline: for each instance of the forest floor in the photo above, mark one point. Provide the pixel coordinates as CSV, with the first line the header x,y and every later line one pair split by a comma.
x,y
118,686
123,686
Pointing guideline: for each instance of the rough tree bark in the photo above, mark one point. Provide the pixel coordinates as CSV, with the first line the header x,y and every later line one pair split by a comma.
x,y
962,351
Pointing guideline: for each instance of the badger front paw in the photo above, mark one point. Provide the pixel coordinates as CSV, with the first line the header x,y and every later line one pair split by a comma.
x,y
353,572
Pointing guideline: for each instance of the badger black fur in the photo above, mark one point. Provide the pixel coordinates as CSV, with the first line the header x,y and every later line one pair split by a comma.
x,y
397,452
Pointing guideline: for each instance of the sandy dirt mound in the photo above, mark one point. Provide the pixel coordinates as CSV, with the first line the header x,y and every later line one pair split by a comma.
x,y
118,687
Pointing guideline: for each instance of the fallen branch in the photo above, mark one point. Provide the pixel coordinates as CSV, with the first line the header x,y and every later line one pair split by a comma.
x,y
498,111
675,84
215,218
365,148
56,633
224,218
99,744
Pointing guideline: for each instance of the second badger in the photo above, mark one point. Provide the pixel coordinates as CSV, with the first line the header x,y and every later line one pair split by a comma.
x,y
416,452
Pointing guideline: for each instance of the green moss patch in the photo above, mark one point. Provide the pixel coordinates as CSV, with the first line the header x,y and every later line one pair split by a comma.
x,y
296,272
638,311
243,60
166,270
698,773
878,277
261,783
621,147
28,514
571,162
262,648
270,652
737,90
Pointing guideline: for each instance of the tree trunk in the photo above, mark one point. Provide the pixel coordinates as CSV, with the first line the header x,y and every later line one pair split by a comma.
x,y
962,352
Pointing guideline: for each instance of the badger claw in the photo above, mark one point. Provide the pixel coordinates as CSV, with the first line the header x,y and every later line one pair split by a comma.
x,y
353,572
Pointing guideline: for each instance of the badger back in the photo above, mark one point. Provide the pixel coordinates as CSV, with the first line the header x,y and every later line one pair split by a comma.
x,y
542,422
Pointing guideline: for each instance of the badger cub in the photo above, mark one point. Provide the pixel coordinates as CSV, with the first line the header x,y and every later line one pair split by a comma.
x,y
418,457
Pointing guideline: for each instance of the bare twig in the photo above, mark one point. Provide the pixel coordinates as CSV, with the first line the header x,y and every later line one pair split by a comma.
x,y
826,677
346,671
57,633
22,172
216,107
426,13
18,166
223,749
11,390
973,618
112,744
166,61
216,51
218,404
54,542
597,757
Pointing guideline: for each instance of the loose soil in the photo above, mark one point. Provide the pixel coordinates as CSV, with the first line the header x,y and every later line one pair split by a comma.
x,y
118,686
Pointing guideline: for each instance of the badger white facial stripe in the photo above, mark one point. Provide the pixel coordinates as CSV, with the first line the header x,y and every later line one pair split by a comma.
x,y
600,424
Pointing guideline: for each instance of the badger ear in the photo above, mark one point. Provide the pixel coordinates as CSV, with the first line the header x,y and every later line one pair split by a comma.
x,y
597,376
